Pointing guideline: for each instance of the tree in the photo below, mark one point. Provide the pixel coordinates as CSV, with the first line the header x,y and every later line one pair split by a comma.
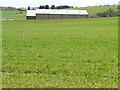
x,y
41,7
46,6
28,7
59,7
53,7
65,6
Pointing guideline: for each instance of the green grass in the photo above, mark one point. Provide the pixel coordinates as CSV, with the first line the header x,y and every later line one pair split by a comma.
x,y
14,15
92,10
60,53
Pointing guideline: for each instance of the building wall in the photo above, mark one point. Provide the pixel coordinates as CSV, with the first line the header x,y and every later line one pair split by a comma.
x,y
81,16
31,17
57,16
65,16
42,16
48,16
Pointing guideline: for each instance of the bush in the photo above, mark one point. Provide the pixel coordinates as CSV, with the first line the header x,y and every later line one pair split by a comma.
x,y
108,13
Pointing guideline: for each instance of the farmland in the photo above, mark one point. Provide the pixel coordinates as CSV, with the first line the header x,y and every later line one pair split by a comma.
x,y
60,53
16,15
92,10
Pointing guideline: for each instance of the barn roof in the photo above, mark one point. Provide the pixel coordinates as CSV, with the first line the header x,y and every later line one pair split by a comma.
x,y
51,11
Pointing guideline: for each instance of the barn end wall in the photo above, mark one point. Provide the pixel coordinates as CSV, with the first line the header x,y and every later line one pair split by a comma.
x,y
59,16
30,17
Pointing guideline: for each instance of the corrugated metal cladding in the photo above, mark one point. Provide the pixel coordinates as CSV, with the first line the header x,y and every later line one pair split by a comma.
x,y
56,14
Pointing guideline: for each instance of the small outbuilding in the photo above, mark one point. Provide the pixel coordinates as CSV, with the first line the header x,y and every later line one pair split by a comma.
x,y
31,14
56,14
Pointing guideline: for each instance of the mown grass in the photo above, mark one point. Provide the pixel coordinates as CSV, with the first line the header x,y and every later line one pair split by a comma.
x,y
60,53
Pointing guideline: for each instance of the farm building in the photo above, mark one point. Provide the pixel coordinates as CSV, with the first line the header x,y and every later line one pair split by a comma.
x,y
56,14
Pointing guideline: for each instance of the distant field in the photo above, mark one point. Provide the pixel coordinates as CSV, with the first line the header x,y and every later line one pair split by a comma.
x,y
92,10
60,53
14,14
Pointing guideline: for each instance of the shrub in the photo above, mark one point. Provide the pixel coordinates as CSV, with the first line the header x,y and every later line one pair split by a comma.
x,y
107,13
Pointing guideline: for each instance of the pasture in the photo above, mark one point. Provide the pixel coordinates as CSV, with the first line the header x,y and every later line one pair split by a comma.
x,y
73,53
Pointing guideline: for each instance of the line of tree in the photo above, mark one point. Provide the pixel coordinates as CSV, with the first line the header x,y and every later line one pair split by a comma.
x,y
28,7
63,7
8,8
52,7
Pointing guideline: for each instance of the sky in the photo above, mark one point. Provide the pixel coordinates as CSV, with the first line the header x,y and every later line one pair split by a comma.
x,y
37,3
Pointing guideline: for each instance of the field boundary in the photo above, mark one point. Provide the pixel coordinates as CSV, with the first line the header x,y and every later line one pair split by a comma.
x,y
0,51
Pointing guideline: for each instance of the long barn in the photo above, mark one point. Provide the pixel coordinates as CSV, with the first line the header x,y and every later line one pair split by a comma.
x,y
56,14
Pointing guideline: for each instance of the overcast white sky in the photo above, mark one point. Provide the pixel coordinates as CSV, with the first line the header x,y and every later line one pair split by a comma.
x,y
36,3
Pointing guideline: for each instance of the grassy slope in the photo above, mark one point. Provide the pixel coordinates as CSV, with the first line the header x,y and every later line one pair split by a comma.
x,y
96,9
12,14
60,53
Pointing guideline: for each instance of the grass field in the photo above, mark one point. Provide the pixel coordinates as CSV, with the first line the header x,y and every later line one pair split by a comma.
x,y
60,53
14,14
